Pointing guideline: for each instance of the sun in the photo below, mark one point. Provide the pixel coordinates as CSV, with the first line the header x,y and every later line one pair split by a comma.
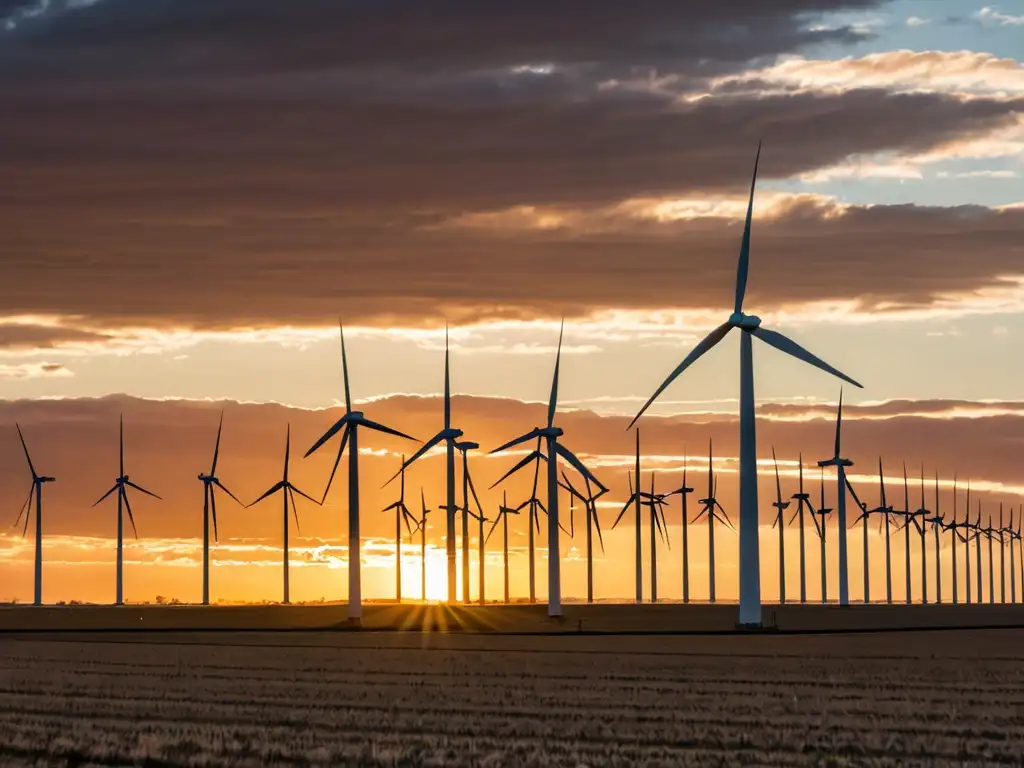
x,y
437,575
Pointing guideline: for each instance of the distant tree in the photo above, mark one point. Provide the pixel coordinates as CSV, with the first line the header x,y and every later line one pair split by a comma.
x,y
160,599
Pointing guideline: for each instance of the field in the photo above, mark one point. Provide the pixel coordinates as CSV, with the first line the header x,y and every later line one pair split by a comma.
x,y
600,617
385,698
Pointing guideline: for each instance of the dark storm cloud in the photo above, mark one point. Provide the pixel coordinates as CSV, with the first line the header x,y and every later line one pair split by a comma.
x,y
253,162
246,36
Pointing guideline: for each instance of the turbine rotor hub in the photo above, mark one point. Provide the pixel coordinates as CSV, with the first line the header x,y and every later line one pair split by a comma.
x,y
743,321
550,432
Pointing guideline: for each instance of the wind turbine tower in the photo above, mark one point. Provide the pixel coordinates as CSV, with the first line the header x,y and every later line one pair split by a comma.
x,y
35,494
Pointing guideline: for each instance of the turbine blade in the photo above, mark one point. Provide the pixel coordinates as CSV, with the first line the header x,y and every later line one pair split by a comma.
x,y
625,507
338,425
140,488
778,483
101,498
570,457
24,447
839,424
707,343
853,493
422,450
447,383
303,494
532,434
337,461
128,506
213,510
493,526
344,369
216,447
295,508
744,261
270,492
790,347
597,526
229,493
553,401
534,455
386,430
472,489
121,444
28,505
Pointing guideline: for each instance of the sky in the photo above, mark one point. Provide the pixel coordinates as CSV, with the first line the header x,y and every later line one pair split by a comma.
x,y
197,192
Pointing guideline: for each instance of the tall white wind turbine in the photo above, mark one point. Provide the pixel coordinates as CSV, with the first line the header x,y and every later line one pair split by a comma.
x,y
210,509
35,494
750,326
120,484
449,435
288,491
349,425
551,433
780,521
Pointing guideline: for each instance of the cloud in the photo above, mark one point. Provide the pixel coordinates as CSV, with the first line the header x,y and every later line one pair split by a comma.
x,y
33,370
25,336
917,21
992,15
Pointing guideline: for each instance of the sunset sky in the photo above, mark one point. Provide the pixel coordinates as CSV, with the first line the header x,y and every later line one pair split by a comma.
x,y
195,192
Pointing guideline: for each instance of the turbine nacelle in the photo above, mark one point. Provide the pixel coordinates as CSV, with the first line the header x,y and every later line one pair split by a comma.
x,y
45,479
744,322
467,445
208,478
450,434
780,505
550,432
835,462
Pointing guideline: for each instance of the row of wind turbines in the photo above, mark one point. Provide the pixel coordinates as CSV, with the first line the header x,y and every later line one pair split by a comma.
x,y
351,425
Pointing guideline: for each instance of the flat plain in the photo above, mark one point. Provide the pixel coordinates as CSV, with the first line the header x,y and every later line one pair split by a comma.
x,y
407,698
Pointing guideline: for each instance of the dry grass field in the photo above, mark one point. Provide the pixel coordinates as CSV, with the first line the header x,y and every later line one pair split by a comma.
x,y
374,699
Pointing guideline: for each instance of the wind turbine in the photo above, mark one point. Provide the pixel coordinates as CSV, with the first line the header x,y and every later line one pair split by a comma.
x,y
120,484
656,502
802,500
349,425
464,447
481,519
449,435
953,527
923,512
842,484
503,512
402,514
989,533
1002,556
937,524
710,505
976,527
750,326
883,510
780,521
210,506
1015,535
532,504
865,513
966,538
551,433
635,501
288,491
684,491
1009,532
907,516
36,490
422,525
822,511
590,502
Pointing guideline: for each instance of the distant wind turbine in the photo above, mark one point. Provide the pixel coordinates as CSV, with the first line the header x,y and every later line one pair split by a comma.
x,y
210,509
551,433
822,530
780,521
750,326
1009,532
842,484
464,447
422,525
907,516
503,512
976,527
635,500
953,527
449,435
120,484
402,515
923,512
659,529
288,491
937,525
802,500
684,490
590,503
990,534
884,510
35,494
349,425
1002,556
710,509
532,504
